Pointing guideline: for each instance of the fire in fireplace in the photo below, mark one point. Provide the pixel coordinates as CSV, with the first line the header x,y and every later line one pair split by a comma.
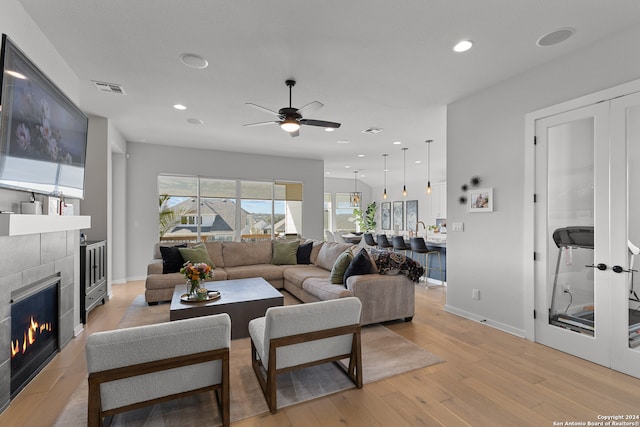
x,y
34,330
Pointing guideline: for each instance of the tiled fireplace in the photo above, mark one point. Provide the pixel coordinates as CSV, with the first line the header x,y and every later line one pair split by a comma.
x,y
30,259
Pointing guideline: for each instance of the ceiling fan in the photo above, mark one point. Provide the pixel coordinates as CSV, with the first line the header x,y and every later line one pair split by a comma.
x,y
290,118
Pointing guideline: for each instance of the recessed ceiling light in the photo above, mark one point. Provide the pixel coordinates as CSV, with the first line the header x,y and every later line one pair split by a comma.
x,y
328,173
193,60
344,141
463,46
555,37
329,129
397,142
347,166
195,121
360,155
179,107
418,161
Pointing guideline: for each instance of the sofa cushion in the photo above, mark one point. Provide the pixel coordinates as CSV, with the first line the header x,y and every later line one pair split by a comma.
x,y
268,272
329,253
214,249
196,254
299,274
361,264
171,259
323,290
315,250
285,252
246,253
303,255
340,266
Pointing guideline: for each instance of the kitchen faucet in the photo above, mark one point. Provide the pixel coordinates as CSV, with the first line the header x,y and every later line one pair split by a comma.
x,y
420,222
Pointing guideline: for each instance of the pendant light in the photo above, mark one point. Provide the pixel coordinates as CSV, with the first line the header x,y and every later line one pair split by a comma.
x,y
404,172
429,141
384,195
355,197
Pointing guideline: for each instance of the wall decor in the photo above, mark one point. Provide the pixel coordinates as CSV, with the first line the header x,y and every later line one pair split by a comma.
x,y
412,215
398,215
481,200
385,216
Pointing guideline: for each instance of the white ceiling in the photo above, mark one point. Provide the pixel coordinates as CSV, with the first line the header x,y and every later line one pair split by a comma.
x,y
373,63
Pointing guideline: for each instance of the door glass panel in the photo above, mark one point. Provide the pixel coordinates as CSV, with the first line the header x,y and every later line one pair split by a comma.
x,y
570,219
633,224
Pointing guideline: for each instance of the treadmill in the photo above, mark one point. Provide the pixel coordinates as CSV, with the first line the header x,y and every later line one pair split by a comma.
x,y
567,239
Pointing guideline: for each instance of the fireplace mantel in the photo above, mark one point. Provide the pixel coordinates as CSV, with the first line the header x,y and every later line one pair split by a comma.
x,y
19,225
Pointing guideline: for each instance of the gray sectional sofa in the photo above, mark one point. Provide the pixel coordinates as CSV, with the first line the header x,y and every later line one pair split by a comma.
x,y
384,297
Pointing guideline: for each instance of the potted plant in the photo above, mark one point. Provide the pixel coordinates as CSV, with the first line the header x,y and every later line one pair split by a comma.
x,y
367,219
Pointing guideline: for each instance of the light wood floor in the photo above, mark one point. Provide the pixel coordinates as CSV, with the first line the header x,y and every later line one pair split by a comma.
x,y
490,378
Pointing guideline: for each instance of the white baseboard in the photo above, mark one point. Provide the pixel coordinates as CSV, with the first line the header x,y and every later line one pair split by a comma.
x,y
78,330
496,325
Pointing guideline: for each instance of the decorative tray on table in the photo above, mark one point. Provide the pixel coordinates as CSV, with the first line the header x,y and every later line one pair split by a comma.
x,y
211,295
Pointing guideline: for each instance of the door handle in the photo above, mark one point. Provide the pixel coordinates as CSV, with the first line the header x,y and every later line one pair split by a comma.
x,y
600,266
618,269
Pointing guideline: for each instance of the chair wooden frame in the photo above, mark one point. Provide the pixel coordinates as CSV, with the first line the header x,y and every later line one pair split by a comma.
x,y
269,384
96,414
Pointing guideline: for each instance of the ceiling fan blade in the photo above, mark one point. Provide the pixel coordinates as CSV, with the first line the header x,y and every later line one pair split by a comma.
x,y
259,107
294,134
261,123
321,123
312,106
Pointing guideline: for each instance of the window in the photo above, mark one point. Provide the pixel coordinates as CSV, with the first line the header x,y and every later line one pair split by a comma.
x,y
193,208
344,211
327,211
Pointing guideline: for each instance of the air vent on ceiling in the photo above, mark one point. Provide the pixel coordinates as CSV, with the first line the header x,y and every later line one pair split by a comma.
x,y
109,87
372,131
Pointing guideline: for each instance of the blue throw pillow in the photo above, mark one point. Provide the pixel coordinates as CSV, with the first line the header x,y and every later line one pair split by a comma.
x,y
304,253
361,264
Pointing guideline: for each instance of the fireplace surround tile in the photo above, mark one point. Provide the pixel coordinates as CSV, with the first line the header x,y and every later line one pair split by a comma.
x,y
5,384
19,253
27,259
54,246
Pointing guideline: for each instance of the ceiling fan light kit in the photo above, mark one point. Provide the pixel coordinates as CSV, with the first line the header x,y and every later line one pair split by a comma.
x,y
290,118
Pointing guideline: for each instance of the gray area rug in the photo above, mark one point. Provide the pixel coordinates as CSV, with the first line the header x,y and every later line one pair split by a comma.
x,y
384,354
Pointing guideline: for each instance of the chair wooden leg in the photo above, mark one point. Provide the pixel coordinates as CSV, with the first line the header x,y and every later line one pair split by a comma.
x,y
272,387
94,418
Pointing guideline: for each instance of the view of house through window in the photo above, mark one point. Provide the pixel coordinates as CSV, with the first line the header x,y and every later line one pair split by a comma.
x,y
327,211
198,209
344,212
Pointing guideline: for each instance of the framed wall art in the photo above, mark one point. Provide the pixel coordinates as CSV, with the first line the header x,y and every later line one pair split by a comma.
x,y
398,215
411,219
481,200
385,214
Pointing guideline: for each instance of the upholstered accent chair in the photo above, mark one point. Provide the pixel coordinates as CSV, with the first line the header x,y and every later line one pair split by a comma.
x,y
135,367
297,336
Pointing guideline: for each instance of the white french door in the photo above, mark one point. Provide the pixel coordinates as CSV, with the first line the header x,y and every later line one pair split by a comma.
x,y
587,232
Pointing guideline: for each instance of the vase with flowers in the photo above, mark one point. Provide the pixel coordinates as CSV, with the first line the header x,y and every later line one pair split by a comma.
x,y
195,274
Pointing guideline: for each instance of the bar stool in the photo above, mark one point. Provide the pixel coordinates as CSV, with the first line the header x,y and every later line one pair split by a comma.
x,y
369,240
400,245
418,245
383,242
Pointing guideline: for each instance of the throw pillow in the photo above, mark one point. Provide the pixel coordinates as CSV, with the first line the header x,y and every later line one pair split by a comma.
x,y
285,253
304,253
171,259
195,254
340,266
361,264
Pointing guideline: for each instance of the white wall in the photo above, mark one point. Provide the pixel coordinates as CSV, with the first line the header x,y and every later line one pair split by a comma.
x,y
146,161
486,138
118,244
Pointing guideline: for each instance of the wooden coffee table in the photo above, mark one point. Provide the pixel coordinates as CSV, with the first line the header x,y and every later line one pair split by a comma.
x,y
242,299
